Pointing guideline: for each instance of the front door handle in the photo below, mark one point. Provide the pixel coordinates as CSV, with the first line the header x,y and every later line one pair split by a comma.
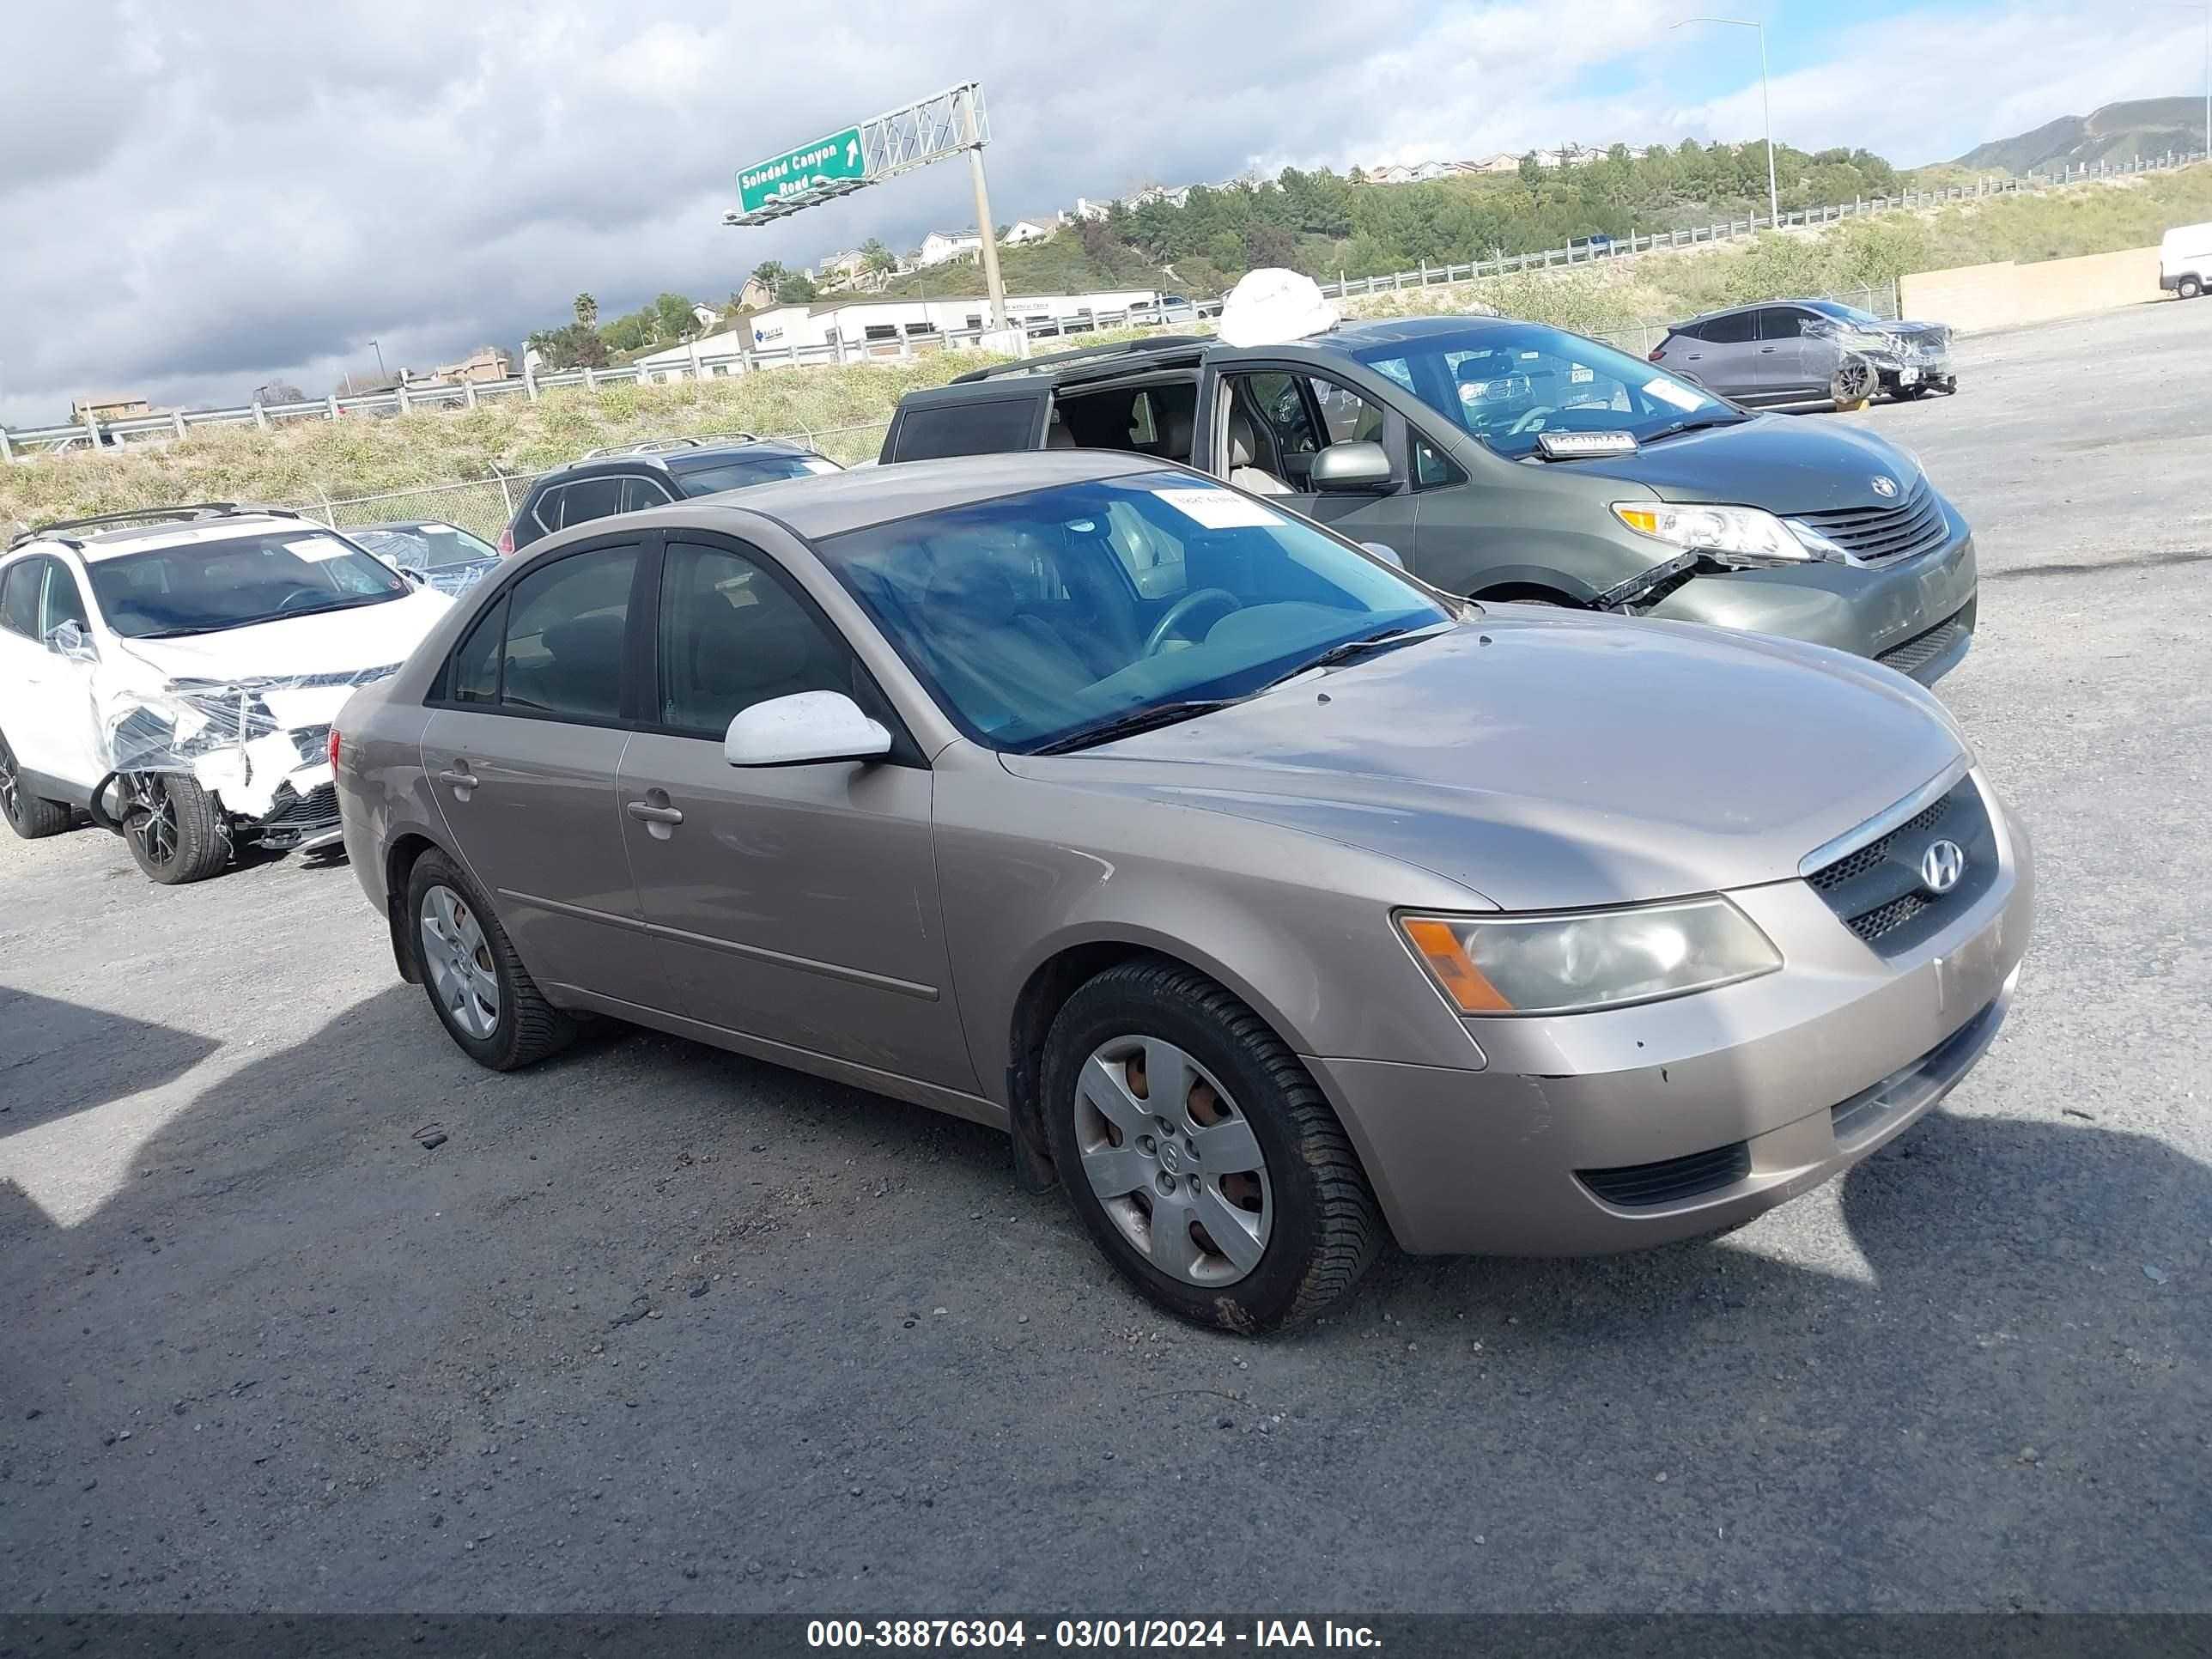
x,y
461,778
1766,351
657,820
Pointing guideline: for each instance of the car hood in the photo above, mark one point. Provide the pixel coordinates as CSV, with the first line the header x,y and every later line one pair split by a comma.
x,y
336,643
1556,762
1785,463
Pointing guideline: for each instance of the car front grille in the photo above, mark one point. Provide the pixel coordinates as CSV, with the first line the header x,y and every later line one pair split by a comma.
x,y
1876,889
1922,649
316,809
1671,1180
1883,535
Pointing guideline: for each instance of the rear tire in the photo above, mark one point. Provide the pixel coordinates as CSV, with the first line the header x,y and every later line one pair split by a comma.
x,y
34,818
1271,1217
484,997
176,831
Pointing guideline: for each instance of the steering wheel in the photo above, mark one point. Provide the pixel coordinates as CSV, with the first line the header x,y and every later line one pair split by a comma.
x,y
1180,612
1536,415
299,596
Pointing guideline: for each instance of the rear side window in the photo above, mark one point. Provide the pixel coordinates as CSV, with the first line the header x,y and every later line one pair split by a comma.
x,y
19,598
1735,329
591,498
987,428
554,643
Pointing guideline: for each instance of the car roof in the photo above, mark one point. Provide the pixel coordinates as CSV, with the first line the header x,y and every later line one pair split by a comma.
x,y
146,538
828,504
709,453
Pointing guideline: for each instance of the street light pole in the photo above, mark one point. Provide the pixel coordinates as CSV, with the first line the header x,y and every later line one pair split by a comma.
x,y
378,350
1766,103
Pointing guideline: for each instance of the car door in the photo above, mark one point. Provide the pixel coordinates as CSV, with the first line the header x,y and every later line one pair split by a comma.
x,y
797,904
1793,363
530,720
50,714
1728,362
1305,413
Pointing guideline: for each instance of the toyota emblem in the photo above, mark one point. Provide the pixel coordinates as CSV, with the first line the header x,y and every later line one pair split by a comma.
x,y
1942,866
1884,485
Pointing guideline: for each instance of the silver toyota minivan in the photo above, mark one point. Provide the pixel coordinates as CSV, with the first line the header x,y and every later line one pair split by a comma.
x,y
1271,900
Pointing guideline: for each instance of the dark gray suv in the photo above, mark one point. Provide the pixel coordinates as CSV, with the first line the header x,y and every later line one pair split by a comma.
x,y
1511,460
1809,352
631,477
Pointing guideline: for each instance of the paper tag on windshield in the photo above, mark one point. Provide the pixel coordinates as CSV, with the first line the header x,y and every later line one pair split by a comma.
x,y
1681,396
316,548
820,467
1219,510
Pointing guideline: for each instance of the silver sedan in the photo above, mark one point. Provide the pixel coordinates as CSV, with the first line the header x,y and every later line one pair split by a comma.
x,y
1272,902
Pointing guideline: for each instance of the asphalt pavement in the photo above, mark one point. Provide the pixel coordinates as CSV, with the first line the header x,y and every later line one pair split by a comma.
x,y
656,1327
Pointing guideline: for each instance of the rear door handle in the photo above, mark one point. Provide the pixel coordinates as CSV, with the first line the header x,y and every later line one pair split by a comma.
x,y
460,777
646,812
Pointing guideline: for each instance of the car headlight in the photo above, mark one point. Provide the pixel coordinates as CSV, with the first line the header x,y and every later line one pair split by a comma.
x,y
1573,962
1725,532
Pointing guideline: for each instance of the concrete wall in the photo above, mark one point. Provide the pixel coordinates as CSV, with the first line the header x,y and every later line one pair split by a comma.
x,y
2005,296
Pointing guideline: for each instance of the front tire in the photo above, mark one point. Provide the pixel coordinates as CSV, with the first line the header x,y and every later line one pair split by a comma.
x,y
32,817
485,997
1199,1154
1853,384
2187,288
176,831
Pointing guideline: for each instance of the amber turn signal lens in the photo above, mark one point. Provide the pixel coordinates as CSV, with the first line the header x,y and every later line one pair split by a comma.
x,y
1462,979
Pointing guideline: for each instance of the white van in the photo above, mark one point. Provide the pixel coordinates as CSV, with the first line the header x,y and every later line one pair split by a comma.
x,y
2184,260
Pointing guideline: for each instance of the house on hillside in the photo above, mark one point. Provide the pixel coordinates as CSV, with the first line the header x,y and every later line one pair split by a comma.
x,y
754,295
486,364
1023,231
843,266
1089,211
706,316
111,406
1173,195
1504,161
940,247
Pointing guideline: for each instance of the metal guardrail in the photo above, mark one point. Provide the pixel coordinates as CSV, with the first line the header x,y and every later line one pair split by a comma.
x,y
18,442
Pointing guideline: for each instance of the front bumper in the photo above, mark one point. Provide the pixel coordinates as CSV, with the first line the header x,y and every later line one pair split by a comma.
x,y
1693,1114
1870,611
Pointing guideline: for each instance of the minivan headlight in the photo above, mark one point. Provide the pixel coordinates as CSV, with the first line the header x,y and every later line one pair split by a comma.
x,y
1573,962
1726,532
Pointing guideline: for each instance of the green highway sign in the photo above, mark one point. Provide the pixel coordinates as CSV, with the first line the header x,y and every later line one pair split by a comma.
x,y
800,172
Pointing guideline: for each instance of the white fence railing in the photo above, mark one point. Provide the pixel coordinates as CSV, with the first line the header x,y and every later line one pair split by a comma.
x,y
18,442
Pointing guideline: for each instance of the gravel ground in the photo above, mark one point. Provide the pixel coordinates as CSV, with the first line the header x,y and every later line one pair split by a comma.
x,y
661,1329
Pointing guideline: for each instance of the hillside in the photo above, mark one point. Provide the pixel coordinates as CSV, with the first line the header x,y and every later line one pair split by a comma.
x,y
2118,132
842,409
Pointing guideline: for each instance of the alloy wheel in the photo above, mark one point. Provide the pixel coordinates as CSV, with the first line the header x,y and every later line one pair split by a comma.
x,y
11,789
459,957
1172,1161
1854,382
150,817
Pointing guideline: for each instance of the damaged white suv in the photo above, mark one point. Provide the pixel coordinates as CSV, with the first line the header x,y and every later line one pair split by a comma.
x,y
173,674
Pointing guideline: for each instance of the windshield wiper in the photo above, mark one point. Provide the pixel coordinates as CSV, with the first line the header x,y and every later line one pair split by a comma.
x,y
1136,720
1696,423
1389,639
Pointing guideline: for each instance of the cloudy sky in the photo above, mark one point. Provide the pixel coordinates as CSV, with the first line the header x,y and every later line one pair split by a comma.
x,y
196,199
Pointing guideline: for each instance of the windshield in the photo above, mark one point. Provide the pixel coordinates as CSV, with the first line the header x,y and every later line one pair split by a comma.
x,y
1508,385
1035,618
203,588
424,546
750,470
1843,313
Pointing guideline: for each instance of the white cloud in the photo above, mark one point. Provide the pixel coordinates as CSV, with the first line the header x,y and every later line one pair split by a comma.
x,y
203,199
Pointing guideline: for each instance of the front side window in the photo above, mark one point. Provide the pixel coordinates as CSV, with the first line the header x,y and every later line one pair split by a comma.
x,y
1346,416
1510,385
639,494
60,601
1031,620
733,634
19,597
563,641
1275,401
1780,323
237,581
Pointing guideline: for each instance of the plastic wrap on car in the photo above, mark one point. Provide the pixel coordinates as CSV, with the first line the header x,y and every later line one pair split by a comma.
x,y
1900,344
188,723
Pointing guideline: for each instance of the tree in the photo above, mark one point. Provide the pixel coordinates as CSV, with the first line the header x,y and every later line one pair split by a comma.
x,y
1532,170
577,346
770,274
795,287
587,311
875,257
672,319
1268,246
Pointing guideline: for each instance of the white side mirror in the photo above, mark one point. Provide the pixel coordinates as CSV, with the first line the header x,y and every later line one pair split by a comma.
x,y
69,640
1388,555
807,725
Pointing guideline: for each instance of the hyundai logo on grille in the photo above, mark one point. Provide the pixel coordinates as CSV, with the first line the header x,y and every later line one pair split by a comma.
x,y
1884,486
1942,866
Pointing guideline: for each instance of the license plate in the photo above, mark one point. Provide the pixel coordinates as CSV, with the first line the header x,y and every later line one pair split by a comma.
x,y
1908,377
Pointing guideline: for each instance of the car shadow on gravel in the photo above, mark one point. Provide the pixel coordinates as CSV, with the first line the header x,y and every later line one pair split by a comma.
x,y
56,1058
